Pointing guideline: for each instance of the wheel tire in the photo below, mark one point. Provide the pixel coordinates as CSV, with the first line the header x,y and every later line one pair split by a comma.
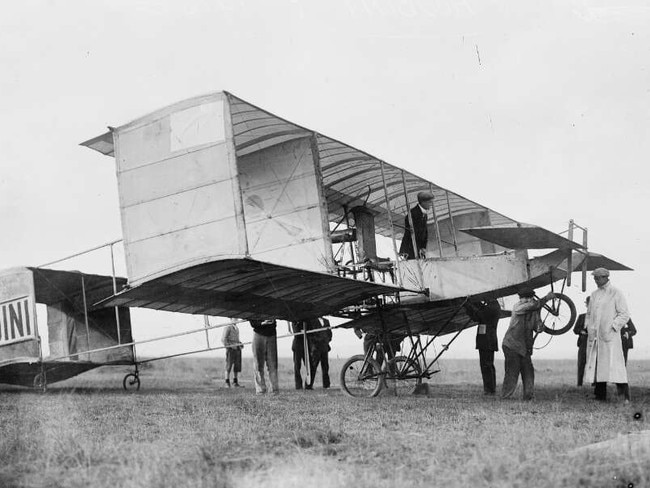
x,y
131,382
405,377
558,314
359,383
39,382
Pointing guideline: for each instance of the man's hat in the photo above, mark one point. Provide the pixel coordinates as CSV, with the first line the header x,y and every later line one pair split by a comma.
x,y
526,292
600,272
424,196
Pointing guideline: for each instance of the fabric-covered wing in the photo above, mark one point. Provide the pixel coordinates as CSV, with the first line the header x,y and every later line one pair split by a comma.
x,y
248,289
523,236
434,318
595,260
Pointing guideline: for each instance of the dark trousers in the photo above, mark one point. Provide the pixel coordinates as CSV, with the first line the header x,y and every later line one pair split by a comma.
x,y
622,390
582,361
515,365
298,361
486,359
320,356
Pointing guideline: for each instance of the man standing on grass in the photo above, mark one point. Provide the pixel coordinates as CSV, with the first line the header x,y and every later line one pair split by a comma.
x,y
627,333
230,339
607,314
265,352
518,344
319,347
487,314
298,349
580,329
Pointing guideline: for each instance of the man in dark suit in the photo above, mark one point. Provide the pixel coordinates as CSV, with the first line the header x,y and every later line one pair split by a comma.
x,y
319,347
627,332
580,330
419,218
487,314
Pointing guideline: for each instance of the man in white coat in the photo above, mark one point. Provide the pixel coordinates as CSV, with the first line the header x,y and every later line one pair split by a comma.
x,y
607,313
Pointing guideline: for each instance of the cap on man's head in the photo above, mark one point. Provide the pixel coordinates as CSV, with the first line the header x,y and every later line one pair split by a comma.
x,y
424,196
526,292
600,272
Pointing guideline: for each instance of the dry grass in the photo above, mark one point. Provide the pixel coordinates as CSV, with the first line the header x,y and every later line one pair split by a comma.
x,y
184,429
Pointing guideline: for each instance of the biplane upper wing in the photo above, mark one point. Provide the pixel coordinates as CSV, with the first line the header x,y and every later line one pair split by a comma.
x,y
249,289
522,236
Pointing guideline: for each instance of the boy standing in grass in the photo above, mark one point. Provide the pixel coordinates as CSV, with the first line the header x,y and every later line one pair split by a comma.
x,y
230,339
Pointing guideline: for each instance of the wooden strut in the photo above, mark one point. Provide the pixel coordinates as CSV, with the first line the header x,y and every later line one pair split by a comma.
x,y
439,333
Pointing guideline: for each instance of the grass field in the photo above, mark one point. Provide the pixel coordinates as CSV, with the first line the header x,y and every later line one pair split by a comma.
x,y
184,429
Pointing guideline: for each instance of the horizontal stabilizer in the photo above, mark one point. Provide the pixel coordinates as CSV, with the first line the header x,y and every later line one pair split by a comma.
x,y
103,144
522,236
595,260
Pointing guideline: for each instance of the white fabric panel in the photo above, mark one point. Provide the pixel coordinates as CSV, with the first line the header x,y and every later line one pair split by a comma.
x,y
295,256
198,125
142,145
178,250
463,276
177,189
180,173
153,139
179,212
284,222
17,312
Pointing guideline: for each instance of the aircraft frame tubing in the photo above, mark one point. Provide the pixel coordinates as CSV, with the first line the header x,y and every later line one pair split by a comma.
x,y
379,362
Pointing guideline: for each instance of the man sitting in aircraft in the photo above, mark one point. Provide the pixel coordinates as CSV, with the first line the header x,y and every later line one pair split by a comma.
x,y
419,218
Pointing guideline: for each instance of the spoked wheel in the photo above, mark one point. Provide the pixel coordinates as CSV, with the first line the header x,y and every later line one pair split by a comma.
x,y
131,382
39,382
403,375
361,378
558,314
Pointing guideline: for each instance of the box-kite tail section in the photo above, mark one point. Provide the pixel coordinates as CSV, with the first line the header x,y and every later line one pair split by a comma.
x,y
79,339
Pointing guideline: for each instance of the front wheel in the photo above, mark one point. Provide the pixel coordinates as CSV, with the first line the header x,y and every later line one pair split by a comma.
x,y
558,314
361,377
403,375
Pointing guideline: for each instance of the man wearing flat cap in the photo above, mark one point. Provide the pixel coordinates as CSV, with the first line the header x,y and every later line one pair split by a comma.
x,y
607,314
518,344
421,235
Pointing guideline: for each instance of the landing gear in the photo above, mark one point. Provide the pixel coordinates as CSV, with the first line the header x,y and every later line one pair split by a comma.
x,y
558,314
131,382
361,377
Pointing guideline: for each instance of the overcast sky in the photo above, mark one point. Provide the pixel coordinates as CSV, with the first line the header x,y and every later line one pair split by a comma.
x,y
539,110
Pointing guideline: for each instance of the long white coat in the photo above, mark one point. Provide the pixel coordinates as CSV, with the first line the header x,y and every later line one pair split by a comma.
x,y
607,313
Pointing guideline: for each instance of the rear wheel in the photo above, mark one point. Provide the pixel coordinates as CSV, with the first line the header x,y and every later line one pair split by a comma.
x,y
403,375
558,314
131,382
360,377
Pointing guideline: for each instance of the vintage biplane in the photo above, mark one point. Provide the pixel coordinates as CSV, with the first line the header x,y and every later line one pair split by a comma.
x,y
230,210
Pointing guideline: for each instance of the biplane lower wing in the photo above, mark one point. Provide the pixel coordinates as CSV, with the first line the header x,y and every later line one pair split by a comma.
x,y
433,318
249,289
